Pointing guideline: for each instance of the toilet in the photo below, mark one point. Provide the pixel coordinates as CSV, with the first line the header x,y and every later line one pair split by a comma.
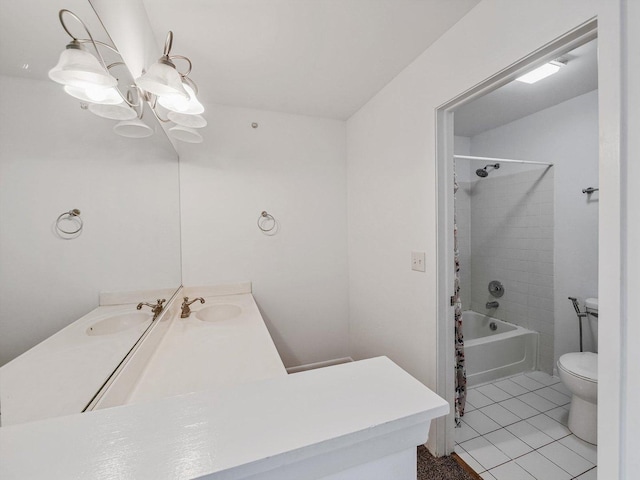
x,y
579,373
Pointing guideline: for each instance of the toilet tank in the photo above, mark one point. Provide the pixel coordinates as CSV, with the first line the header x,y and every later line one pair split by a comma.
x,y
591,305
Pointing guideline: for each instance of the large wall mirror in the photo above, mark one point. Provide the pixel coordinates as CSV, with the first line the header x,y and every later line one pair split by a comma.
x,y
55,156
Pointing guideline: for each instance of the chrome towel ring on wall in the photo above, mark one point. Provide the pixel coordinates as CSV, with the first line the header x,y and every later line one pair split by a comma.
x,y
67,218
267,223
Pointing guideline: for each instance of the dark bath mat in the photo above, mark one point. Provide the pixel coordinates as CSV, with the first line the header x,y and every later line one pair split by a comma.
x,y
442,468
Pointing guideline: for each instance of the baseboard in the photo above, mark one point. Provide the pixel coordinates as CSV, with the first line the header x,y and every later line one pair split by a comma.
x,y
313,366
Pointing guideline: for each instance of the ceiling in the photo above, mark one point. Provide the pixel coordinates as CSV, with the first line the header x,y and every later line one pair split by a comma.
x,y
312,57
517,100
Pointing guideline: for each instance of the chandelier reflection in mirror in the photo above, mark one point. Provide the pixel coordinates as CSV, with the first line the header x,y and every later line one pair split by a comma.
x,y
171,94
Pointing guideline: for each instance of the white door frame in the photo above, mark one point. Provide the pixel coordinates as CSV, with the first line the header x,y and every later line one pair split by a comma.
x,y
445,204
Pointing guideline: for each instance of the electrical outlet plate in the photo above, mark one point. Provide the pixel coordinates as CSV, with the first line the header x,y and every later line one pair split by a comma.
x,y
417,261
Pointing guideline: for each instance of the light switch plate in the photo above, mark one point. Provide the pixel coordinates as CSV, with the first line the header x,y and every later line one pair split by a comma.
x,y
417,261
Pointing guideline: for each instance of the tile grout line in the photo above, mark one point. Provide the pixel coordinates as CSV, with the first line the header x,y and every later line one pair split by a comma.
x,y
504,427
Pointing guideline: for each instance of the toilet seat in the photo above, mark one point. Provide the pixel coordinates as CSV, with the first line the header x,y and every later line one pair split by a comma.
x,y
580,364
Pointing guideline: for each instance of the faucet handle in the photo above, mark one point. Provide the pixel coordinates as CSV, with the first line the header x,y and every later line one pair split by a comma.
x,y
186,302
156,309
186,311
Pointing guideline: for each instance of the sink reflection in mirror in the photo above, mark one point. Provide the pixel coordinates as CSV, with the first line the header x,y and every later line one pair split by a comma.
x,y
118,323
56,156
218,313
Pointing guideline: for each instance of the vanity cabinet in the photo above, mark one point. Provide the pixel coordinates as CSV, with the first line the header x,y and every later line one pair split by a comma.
x,y
208,397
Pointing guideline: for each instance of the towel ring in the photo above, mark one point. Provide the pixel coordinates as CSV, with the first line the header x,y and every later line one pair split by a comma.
x,y
263,219
72,215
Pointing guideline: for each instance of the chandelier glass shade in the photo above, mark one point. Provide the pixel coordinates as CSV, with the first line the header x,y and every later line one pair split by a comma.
x,y
78,68
178,104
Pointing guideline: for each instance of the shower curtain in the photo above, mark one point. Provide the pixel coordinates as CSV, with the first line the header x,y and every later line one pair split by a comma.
x,y
461,376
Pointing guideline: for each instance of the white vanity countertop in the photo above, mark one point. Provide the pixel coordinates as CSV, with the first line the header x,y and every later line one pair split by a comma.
x,y
197,355
60,375
232,433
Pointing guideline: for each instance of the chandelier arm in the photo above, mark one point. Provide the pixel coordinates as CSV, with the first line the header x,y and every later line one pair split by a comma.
x,y
180,57
86,29
157,114
168,43
191,83
98,42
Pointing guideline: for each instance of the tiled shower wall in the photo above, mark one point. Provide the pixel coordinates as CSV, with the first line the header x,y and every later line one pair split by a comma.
x,y
511,240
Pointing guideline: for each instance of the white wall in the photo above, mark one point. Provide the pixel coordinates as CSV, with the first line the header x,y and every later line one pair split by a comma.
x,y
294,168
567,136
630,460
55,157
392,173
462,146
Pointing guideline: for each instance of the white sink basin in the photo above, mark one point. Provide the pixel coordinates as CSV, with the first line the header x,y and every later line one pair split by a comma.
x,y
217,313
118,323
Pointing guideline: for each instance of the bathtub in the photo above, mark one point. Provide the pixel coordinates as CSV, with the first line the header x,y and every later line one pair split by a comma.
x,y
492,354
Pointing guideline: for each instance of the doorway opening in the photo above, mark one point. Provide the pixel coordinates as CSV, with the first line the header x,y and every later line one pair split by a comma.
x,y
509,256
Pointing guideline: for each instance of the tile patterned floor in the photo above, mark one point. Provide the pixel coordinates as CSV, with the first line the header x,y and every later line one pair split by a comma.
x,y
516,429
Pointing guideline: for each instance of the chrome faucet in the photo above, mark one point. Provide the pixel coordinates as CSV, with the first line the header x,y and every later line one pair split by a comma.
x,y
156,309
493,304
186,310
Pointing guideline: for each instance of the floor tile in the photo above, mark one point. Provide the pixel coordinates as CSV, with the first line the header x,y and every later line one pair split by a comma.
x,y
493,392
516,428
469,460
521,409
549,426
510,387
562,389
529,434
469,407
553,396
543,378
537,402
477,399
485,453
560,414
480,422
464,432
566,458
541,467
508,443
510,471
582,448
500,415
526,382
590,475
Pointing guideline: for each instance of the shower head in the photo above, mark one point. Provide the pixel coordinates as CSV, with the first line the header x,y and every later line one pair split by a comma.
x,y
482,172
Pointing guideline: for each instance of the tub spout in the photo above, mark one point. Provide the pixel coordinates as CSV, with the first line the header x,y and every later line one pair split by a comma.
x,y
493,304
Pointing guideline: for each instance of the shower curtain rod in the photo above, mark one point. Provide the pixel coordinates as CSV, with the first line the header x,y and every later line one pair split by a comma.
x,y
503,160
